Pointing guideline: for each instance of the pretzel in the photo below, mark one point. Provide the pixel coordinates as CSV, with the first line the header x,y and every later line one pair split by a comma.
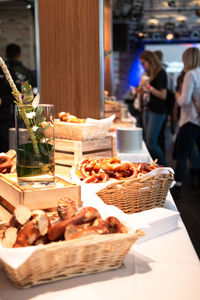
x,y
38,230
75,231
62,115
134,174
5,164
85,215
99,177
21,216
83,171
102,169
67,117
9,237
66,208
33,230
91,179
115,226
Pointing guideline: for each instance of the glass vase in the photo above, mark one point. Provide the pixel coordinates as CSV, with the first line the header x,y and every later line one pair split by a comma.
x,y
35,145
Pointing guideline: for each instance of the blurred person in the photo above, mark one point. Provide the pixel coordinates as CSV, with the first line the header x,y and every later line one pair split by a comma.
x,y
20,74
170,102
195,153
155,114
140,103
188,99
176,110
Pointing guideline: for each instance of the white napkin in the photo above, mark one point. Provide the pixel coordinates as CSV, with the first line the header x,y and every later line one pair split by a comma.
x,y
131,221
15,257
107,121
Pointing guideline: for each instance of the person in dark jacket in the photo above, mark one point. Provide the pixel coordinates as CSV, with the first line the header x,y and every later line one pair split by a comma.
x,y
20,74
155,114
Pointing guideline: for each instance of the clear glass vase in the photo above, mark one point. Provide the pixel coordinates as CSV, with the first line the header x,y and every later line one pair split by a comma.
x,y
35,145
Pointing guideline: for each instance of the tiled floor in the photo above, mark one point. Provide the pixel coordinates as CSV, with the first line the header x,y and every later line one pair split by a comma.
x,y
187,201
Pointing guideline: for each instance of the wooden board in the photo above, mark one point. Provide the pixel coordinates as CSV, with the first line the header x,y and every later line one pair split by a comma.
x,y
11,194
69,152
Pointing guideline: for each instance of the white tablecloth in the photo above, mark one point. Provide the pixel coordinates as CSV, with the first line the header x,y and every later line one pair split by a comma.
x,y
164,268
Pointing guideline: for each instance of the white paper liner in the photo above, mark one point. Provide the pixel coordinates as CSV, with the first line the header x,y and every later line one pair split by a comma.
x,y
107,121
15,257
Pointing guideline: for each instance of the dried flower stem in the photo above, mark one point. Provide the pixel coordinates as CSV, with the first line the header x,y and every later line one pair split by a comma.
x,y
16,94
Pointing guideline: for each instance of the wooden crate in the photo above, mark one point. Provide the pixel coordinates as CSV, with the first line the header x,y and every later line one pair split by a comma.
x,y
113,109
69,152
12,194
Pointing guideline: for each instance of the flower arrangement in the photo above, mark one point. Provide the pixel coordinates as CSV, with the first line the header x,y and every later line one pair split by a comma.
x,y
29,110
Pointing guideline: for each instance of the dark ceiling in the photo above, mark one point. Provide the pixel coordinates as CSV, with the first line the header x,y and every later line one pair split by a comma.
x,y
149,20
154,19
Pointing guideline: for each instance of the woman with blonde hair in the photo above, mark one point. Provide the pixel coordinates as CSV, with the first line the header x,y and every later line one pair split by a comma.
x,y
188,99
155,114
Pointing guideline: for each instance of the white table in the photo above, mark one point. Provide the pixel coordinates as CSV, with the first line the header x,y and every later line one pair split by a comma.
x,y
165,267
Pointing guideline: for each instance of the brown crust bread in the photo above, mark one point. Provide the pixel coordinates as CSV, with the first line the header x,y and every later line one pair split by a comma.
x,y
9,237
35,228
21,216
115,226
85,215
75,231
5,164
66,208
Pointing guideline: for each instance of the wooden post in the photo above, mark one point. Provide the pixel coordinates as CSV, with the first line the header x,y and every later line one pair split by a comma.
x,y
108,59
70,55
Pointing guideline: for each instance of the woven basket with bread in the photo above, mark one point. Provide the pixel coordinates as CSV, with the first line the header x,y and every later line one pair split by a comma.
x,y
134,187
73,128
68,243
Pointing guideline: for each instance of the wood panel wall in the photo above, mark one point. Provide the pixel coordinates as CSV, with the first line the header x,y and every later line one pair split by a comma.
x,y
70,55
108,79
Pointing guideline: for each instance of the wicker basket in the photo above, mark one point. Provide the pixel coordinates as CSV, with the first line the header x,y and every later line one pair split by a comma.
x,y
60,260
82,131
138,194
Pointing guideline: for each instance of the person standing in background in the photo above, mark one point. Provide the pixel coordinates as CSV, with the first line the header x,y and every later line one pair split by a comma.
x,y
20,74
170,102
187,99
156,107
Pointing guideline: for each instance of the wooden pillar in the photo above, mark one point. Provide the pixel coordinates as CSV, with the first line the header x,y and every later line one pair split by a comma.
x,y
70,55
108,53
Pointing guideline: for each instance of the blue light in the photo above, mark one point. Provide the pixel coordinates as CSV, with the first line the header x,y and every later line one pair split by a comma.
x,y
136,70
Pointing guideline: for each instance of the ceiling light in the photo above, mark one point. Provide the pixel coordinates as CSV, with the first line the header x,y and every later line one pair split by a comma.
x,y
181,18
28,6
169,36
153,21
